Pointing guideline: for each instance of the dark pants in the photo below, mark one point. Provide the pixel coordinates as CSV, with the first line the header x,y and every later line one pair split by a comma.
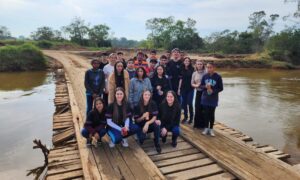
x,y
175,133
209,116
199,115
116,136
187,103
152,128
85,133
105,98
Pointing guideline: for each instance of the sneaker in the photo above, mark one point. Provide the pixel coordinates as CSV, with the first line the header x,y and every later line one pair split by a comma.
x,y
125,142
111,144
206,131
190,122
211,132
164,139
174,144
88,142
158,149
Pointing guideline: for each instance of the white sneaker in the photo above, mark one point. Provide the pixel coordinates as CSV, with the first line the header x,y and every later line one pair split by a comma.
x,y
206,131
211,132
125,142
111,144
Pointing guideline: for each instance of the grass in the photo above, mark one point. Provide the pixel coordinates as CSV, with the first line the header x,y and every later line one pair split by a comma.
x,y
23,57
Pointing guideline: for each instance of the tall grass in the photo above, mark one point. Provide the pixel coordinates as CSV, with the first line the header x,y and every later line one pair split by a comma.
x,y
21,58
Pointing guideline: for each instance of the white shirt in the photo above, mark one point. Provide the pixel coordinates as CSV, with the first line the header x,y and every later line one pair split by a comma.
x,y
108,70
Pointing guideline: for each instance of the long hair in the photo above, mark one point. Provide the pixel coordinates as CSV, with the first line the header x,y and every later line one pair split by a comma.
x,y
203,66
141,101
176,105
190,65
116,114
156,74
95,111
144,72
122,73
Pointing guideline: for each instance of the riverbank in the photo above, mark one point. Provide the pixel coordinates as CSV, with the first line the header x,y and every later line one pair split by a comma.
x,y
26,57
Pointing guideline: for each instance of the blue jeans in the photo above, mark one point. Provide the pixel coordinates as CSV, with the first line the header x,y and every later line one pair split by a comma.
x,y
152,128
116,136
85,133
187,100
175,133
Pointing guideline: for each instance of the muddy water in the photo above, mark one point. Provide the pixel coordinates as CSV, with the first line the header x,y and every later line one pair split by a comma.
x,y
264,104
26,109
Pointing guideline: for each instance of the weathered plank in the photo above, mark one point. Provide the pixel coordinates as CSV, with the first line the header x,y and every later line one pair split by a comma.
x,y
177,160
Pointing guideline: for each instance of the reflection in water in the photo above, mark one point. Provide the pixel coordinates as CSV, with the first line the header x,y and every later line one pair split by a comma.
x,y
26,108
264,104
21,80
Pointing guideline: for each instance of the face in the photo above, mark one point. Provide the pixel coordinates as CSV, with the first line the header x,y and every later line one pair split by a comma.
x,y
119,67
163,61
140,57
120,56
140,73
146,96
130,64
152,64
153,55
186,62
170,98
99,106
176,54
96,65
210,68
160,70
182,55
119,96
168,54
199,65
113,58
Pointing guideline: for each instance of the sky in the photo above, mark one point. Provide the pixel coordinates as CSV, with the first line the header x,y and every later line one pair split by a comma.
x,y
127,18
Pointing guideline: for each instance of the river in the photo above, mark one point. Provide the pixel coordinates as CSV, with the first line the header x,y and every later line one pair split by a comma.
x,y
26,109
264,104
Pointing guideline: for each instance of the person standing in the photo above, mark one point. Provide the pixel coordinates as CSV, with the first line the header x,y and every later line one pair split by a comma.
x,y
137,85
119,78
173,69
108,70
94,82
160,84
212,85
141,62
186,91
196,81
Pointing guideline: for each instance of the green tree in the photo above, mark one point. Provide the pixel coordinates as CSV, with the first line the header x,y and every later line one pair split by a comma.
x,y
46,33
77,31
167,33
4,33
98,36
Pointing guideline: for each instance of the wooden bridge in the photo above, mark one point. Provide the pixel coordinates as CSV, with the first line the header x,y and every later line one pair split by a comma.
x,y
229,155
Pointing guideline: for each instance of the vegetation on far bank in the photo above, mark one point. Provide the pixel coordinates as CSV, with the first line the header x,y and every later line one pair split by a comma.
x,y
21,58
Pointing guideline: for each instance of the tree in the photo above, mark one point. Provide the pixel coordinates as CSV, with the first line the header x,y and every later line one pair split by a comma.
x,y
124,43
4,33
98,36
46,33
167,33
77,31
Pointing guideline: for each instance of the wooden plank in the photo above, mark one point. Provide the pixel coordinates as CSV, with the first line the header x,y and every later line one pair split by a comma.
x,y
164,156
181,159
64,136
63,169
222,176
62,153
64,158
149,144
186,165
267,149
68,175
198,172
237,157
67,162
180,146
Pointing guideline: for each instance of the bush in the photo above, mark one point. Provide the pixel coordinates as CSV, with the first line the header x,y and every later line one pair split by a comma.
x,y
44,44
21,58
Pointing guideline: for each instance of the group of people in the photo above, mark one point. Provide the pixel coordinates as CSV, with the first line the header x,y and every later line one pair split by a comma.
x,y
147,94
